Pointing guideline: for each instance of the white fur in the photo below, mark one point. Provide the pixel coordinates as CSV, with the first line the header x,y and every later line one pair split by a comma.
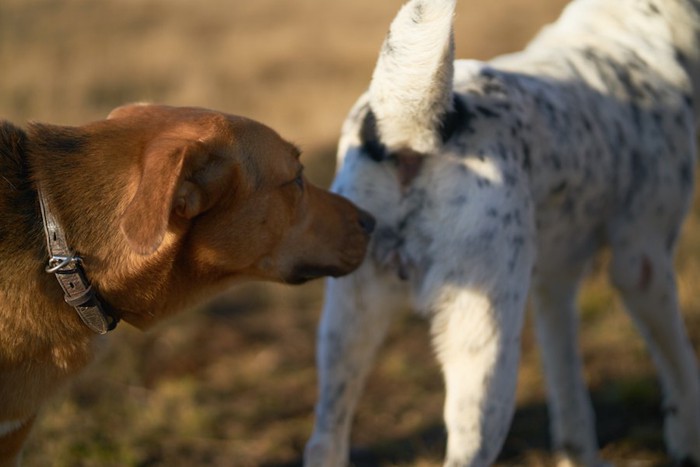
x,y
584,139
409,104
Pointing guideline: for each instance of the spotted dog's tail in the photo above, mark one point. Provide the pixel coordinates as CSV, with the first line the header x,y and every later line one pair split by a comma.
x,y
411,89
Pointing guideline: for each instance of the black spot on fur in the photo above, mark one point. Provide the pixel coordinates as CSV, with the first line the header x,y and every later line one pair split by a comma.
x,y
679,119
388,48
527,162
458,200
507,219
686,174
486,236
491,85
458,120
369,137
639,172
517,244
652,9
680,57
636,116
419,200
486,112
556,162
688,100
483,182
587,124
559,188
418,13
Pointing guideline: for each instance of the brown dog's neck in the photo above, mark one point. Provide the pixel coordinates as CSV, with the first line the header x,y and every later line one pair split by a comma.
x,y
84,185
65,344
88,190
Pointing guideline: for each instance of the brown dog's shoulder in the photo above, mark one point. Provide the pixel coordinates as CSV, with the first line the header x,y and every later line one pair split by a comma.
x,y
13,141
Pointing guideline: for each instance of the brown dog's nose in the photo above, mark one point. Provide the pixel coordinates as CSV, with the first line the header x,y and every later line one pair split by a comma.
x,y
367,221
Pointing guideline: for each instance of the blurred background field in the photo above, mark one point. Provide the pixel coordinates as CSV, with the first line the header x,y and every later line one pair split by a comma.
x,y
234,383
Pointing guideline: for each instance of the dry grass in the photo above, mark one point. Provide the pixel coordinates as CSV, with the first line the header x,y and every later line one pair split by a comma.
x,y
234,383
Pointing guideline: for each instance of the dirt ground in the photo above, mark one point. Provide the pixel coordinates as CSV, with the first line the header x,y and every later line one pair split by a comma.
x,y
234,383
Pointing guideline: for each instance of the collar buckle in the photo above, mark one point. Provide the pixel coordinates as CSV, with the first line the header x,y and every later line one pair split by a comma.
x,y
67,266
58,262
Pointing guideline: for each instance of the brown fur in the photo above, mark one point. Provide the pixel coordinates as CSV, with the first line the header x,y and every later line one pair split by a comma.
x,y
166,206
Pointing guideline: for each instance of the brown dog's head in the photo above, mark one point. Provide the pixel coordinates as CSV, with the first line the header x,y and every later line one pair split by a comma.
x,y
236,191
198,198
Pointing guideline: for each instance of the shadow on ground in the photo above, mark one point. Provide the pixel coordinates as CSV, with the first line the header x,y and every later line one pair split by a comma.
x,y
631,429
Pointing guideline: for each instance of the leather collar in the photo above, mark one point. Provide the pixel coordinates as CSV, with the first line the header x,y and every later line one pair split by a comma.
x,y
67,266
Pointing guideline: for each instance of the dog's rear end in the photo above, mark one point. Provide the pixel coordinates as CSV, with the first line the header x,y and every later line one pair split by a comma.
x,y
440,246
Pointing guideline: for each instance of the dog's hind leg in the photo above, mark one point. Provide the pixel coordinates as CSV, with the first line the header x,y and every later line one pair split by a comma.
x,y
642,270
572,423
479,359
356,315
476,335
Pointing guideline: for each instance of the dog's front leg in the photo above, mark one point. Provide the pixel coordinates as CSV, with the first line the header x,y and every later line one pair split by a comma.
x,y
357,312
572,424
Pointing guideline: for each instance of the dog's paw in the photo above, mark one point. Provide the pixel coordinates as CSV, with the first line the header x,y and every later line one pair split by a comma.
x,y
682,436
322,453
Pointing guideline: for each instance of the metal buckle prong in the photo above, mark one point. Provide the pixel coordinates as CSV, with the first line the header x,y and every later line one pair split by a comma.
x,y
57,262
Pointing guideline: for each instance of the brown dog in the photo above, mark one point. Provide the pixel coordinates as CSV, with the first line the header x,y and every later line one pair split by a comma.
x,y
164,206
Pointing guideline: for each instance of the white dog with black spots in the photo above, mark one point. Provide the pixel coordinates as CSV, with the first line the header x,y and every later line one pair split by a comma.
x,y
494,181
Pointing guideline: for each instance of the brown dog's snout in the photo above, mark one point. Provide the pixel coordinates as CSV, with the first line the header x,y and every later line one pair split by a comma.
x,y
366,221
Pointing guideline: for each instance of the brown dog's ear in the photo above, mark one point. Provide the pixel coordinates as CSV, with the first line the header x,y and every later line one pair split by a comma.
x,y
128,110
145,220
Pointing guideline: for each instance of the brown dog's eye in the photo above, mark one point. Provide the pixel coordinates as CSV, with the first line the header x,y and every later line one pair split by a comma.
x,y
299,182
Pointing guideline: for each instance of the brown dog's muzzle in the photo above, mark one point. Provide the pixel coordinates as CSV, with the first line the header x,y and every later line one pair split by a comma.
x,y
339,234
